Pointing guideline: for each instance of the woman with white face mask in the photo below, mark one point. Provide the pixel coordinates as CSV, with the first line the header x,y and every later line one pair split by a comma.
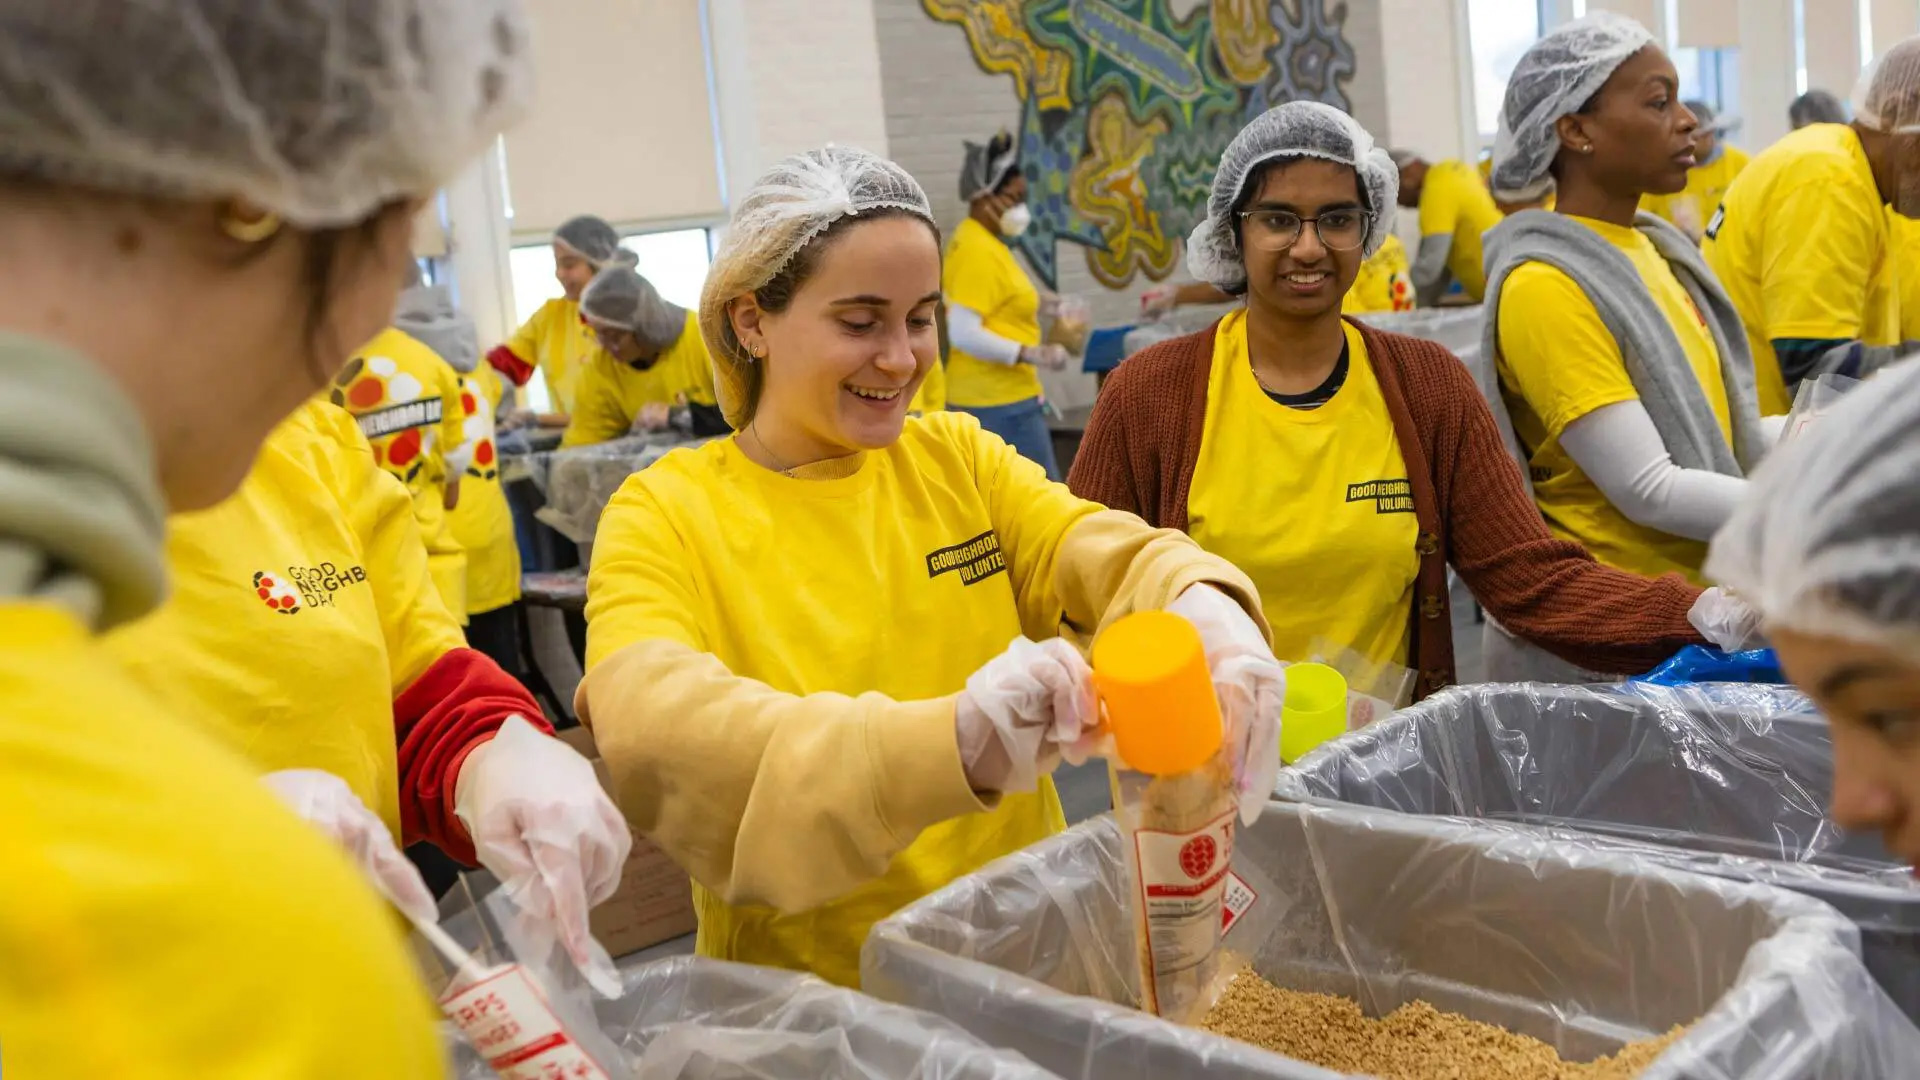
x,y
993,309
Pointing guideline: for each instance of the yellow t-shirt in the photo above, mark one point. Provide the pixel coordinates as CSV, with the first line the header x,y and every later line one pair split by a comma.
x,y
1454,202
165,916
932,395
1385,282
301,607
1801,244
557,342
902,578
1905,234
1558,362
611,394
408,403
481,522
1689,209
981,275
1313,504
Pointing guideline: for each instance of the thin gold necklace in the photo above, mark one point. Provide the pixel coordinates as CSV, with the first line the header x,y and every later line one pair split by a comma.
x,y
771,456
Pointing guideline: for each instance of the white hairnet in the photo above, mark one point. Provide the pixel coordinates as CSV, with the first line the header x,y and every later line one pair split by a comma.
x,y
1888,96
428,313
593,240
985,168
788,208
1296,129
620,298
321,111
1555,77
1827,540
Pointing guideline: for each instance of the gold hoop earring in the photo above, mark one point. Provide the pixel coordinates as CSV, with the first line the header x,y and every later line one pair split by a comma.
x,y
249,230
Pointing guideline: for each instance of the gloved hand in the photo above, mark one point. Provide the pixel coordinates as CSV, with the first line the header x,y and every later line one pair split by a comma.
x,y
1049,305
1251,684
515,419
1727,621
653,417
1051,357
1021,710
1158,301
540,821
328,804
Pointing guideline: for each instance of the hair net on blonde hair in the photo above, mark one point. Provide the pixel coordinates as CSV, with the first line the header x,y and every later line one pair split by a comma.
x,y
1555,77
1888,96
1297,129
321,111
1827,540
620,298
594,240
788,208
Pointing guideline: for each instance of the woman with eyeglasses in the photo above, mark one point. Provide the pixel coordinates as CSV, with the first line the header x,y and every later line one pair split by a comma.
x,y
1341,467
1621,359
647,361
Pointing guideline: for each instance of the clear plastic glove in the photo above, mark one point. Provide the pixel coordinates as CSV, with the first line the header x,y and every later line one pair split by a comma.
x,y
1159,301
654,416
541,822
1050,357
1251,684
1727,621
1049,304
515,419
328,804
1021,711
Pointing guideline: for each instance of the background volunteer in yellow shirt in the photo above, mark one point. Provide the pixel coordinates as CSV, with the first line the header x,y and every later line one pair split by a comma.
x,y
799,669
648,363
1802,243
1622,362
1342,467
480,522
993,308
1455,209
554,341
1715,164
305,633
184,261
409,406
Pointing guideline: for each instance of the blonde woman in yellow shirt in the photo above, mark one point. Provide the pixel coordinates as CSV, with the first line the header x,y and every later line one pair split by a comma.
x,y
798,658
554,341
186,256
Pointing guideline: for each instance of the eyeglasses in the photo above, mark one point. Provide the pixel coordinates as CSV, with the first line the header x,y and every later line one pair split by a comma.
x,y
1278,230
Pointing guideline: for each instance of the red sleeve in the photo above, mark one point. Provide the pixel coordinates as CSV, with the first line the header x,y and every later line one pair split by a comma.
x,y
508,363
454,706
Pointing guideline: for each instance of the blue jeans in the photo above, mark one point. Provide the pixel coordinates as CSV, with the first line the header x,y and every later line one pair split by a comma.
x,y
1023,425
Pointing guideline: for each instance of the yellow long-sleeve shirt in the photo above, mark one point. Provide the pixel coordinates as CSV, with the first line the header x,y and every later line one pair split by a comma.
x,y
556,342
301,607
409,405
609,394
773,663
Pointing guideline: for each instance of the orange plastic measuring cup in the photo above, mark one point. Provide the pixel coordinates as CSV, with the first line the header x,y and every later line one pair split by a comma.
x,y
1151,671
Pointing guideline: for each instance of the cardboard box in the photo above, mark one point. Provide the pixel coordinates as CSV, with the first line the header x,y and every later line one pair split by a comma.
x,y
655,900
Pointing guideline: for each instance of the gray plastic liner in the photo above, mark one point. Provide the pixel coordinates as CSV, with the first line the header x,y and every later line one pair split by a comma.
x,y
578,481
689,1017
1721,778
1543,932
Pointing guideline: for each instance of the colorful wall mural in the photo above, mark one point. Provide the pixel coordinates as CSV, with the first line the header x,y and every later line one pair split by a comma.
x,y
1125,109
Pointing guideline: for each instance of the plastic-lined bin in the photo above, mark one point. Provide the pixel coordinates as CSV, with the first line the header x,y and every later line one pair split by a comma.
x,y
690,1017
1550,936
577,482
1725,779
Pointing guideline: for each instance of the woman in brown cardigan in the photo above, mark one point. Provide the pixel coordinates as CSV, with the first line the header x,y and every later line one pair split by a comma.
x,y
1342,467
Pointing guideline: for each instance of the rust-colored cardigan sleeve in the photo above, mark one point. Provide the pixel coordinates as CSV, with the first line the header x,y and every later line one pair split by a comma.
x,y
1143,441
1545,589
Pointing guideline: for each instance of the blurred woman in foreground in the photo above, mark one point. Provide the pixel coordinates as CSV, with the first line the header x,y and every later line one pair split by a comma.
x,y
190,246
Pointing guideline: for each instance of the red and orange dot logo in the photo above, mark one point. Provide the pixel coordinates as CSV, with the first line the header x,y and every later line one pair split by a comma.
x,y
276,593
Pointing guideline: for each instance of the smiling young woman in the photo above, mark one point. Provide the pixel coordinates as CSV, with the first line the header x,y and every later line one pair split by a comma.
x,y
1622,362
1341,467
798,660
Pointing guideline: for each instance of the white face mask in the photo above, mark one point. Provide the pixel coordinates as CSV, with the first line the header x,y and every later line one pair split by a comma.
x,y
1016,220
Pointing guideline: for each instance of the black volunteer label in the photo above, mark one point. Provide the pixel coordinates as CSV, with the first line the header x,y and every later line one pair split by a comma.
x,y
413,414
975,560
1387,496
1713,223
